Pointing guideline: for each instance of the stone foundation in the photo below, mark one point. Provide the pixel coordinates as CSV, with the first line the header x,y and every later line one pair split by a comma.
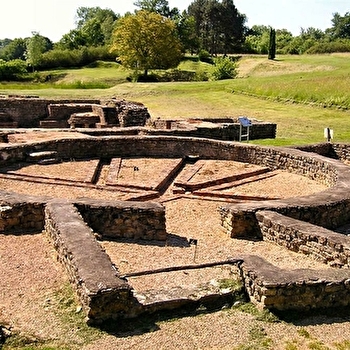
x,y
90,270
324,245
302,290
27,112
304,224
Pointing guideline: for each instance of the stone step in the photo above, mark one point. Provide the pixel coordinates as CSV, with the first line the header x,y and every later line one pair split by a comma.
x,y
48,161
207,294
40,156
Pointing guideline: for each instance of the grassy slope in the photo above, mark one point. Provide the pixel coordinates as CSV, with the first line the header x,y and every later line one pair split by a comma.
x,y
302,94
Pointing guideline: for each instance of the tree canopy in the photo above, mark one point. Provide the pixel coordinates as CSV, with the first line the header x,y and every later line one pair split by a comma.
x,y
341,26
219,25
207,28
147,41
94,28
36,46
157,6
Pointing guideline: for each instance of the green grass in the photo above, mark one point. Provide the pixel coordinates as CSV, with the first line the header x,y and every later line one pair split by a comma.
x,y
71,320
302,94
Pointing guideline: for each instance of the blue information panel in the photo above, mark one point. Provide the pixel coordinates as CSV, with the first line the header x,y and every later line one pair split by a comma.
x,y
244,121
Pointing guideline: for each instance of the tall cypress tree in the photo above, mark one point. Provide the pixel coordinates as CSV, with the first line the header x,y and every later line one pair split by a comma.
x,y
272,44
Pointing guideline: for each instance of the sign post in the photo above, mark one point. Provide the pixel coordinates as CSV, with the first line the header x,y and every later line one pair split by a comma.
x,y
244,124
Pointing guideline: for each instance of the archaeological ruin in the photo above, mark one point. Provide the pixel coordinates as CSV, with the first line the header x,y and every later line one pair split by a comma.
x,y
109,144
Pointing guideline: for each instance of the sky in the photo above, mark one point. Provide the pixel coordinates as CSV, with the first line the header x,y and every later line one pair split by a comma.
x,y
53,18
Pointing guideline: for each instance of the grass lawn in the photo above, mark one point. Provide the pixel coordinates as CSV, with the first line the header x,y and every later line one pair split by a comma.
x,y
302,94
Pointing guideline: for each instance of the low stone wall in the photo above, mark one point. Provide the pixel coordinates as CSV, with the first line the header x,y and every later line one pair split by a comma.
x,y
132,114
103,295
219,130
125,219
302,290
321,244
339,151
278,221
27,112
61,112
312,166
18,215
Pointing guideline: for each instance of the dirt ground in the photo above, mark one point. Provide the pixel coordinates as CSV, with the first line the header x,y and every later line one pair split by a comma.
x,y
40,310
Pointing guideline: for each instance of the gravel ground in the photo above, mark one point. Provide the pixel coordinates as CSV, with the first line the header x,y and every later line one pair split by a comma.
x,y
32,281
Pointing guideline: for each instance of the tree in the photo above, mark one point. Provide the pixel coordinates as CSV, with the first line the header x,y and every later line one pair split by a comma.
x,y
94,28
74,39
99,21
219,26
232,27
36,46
186,29
14,49
157,6
341,26
146,41
272,44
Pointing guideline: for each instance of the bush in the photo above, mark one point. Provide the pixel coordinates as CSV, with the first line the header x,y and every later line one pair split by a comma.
x,y
59,58
330,47
224,68
204,56
12,70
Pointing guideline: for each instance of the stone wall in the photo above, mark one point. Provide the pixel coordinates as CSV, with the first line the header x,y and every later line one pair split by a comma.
x,y
301,290
329,209
125,219
217,129
103,295
339,151
299,236
289,222
27,112
18,215
60,113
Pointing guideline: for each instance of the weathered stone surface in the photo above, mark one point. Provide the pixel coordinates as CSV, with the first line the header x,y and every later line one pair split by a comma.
x,y
102,293
322,244
117,219
305,289
283,220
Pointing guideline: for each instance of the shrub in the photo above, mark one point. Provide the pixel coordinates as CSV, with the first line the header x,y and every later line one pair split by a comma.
x,y
204,56
224,68
329,47
58,58
12,70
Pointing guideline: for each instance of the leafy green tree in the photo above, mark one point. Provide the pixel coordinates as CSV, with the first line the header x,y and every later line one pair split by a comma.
x,y
341,26
232,27
92,33
14,49
94,28
186,27
74,39
312,33
157,6
36,46
283,39
98,20
12,70
219,26
147,41
257,40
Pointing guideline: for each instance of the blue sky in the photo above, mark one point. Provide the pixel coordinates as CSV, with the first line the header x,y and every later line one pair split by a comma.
x,y
53,18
